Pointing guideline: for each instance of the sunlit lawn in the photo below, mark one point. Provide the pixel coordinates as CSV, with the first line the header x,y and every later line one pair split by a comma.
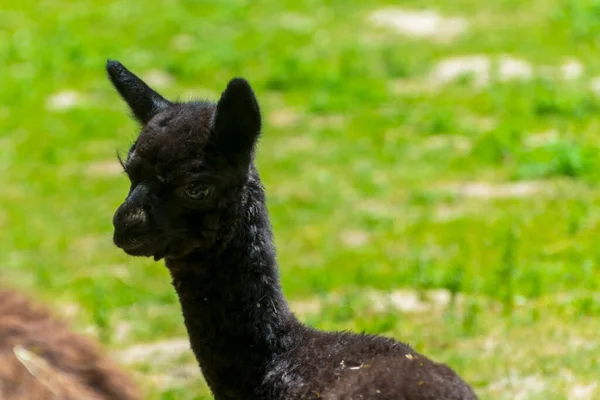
x,y
380,181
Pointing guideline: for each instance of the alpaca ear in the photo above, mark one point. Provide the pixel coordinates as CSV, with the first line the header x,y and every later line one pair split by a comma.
x,y
144,102
237,121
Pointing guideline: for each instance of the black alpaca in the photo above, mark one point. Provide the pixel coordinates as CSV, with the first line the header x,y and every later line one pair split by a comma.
x,y
197,201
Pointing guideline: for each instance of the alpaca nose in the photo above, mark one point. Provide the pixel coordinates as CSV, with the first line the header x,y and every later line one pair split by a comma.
x,y
131,214
127,219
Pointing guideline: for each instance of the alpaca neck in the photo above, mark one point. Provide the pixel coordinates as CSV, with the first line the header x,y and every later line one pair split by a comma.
x,y
234,310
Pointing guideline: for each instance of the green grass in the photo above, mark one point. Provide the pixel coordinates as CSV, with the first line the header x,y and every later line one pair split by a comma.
x,y
361,158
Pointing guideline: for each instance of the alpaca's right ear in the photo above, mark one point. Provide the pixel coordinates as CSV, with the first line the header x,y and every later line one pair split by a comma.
x,y
237,122
144,102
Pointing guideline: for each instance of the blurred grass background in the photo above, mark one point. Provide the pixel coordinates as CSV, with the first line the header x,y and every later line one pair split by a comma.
x,y
459,215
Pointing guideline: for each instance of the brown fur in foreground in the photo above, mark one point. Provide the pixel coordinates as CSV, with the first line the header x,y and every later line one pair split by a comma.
x,y
42,359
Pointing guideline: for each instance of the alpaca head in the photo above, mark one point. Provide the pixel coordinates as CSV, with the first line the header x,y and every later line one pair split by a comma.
x,y
188,167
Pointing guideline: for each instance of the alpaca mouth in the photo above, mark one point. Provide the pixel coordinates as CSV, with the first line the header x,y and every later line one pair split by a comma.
x,y
142,250
142,247
133,243
130,243
134,246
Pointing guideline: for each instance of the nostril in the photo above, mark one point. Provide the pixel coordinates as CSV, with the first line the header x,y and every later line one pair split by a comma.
x,y
135,217
126,220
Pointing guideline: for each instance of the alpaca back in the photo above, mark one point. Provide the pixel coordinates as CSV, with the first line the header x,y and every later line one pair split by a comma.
x,y
407,376
42,359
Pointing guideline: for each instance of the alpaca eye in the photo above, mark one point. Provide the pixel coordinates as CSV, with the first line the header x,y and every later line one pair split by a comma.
x,y
196,191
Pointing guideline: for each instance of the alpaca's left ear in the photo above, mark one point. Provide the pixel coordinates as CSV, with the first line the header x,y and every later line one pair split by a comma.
x,y
237,121
144,102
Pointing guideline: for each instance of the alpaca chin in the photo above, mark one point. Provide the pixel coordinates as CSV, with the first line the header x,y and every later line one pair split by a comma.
x,y
173,251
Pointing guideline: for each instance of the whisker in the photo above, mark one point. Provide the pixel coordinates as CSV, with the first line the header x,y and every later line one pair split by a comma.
x,y
121,161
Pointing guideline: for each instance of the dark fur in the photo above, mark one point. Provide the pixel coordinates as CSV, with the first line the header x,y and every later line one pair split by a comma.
x,y
219,250
65,365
